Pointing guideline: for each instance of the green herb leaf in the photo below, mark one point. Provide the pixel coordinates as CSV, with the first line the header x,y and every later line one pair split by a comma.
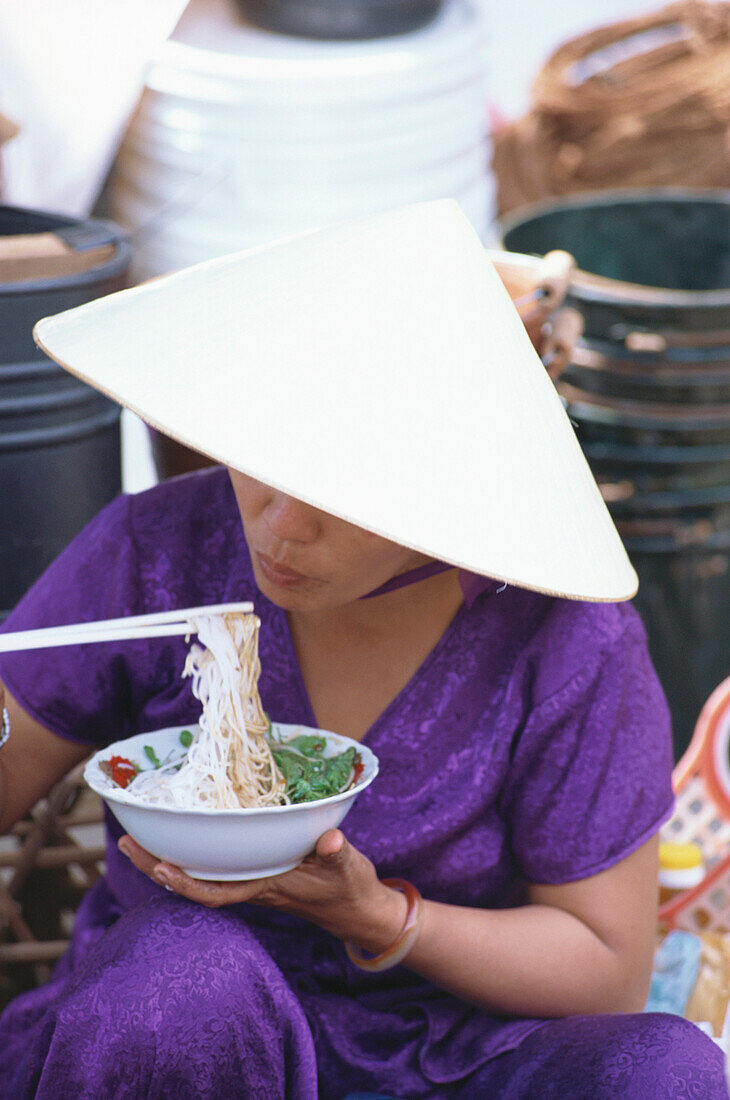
x,y
186,738
152,755
309,778
338,768
307,744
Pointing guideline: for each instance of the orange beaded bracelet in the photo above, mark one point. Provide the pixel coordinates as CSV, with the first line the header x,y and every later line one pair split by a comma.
x,y
405,939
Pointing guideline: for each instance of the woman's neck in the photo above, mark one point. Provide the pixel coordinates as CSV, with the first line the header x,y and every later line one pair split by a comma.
x,y
431,598
356,659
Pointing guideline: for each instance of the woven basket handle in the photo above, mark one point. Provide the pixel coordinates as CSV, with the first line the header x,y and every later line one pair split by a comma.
x,y
555,86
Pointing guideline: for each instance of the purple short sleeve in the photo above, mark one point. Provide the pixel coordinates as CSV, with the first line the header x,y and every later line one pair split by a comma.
x,y
591,774
79,692
175,545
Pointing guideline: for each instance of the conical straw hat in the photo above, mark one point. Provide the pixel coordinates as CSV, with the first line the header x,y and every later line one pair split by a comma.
x,y
377,370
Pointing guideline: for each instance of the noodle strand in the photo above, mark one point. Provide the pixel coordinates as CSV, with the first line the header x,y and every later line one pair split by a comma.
x,y
229,764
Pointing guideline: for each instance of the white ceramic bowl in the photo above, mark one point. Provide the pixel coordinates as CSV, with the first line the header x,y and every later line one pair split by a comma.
x,y
225,844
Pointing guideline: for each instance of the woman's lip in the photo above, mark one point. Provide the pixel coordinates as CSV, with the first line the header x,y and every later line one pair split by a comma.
x,y
279,574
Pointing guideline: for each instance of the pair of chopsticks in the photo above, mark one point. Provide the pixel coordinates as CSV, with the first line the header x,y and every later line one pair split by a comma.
x,y
160,624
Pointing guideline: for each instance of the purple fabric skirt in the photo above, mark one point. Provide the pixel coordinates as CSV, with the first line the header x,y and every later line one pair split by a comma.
x,y
172,1000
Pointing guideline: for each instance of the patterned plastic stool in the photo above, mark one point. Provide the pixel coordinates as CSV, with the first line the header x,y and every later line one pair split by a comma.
x,y
702,816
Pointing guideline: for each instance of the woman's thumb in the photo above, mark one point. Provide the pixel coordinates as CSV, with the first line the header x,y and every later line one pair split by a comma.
x,y
332,846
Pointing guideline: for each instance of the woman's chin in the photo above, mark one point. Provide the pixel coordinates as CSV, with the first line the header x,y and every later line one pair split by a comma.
x,y
290,597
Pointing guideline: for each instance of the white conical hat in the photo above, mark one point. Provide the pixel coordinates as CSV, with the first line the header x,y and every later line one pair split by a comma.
x,y
377,370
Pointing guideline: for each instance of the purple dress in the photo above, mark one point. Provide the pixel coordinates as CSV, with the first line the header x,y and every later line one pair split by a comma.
x,y
531,744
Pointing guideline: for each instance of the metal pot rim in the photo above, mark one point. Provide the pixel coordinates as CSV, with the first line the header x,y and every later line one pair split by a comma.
x,y
600,289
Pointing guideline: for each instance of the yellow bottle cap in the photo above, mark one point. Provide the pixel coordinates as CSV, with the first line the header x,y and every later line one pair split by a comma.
x,y
679,857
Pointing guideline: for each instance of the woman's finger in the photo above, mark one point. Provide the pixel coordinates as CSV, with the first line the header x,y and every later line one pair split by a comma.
x,y
302,890
139,856
212,894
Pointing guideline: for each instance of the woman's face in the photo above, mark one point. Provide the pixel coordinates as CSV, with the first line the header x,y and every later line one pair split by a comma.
x,y
307,560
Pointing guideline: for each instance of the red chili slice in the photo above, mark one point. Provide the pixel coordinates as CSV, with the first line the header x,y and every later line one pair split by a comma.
x,y
123,770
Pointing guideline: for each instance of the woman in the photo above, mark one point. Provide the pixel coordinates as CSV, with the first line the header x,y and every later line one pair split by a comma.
x,y
522,737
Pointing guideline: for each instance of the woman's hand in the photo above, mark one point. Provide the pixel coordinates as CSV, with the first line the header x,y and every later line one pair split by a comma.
x,y
335,887
578,948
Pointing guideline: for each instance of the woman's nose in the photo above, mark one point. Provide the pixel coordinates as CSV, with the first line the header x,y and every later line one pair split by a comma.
x,y
291,520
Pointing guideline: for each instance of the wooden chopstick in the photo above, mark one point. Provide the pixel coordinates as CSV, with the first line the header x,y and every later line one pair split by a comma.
x,y
160,624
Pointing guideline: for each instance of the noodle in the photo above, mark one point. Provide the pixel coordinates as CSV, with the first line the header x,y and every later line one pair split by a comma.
x,y
229,764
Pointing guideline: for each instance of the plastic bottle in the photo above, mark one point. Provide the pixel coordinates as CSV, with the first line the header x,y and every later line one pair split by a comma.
x,y
681,866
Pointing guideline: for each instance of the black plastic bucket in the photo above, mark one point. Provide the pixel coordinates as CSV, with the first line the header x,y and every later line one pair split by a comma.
x,y
684,596
341,19
601,369
650,262
659,468
648,391
60,454
645,423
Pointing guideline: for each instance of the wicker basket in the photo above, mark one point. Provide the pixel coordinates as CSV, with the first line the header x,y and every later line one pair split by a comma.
x,y
47,863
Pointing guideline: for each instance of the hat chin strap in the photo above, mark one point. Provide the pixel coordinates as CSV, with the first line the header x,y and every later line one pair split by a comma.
x,y
400,580
472,584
